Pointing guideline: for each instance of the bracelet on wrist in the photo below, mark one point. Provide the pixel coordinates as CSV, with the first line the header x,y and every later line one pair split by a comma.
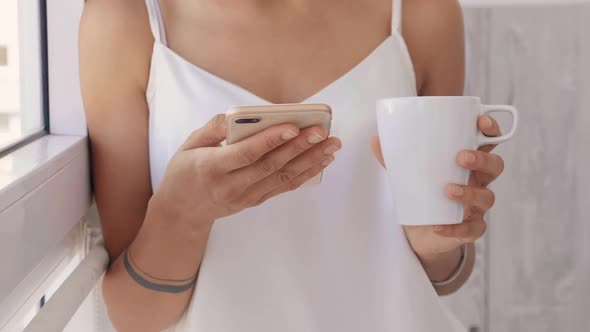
x,y
457,272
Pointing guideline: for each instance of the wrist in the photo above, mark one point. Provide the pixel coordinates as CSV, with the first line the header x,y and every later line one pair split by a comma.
x,y
441,266
170,213
166,246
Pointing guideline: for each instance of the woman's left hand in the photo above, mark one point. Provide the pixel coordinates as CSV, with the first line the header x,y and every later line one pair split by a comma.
x,y
429,242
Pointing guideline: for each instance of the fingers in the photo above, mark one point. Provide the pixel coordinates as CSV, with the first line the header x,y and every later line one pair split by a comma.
x,y
481,198
298,181
467,232
251,149
376,148
487,163
323,153
211,134
296,155
489,127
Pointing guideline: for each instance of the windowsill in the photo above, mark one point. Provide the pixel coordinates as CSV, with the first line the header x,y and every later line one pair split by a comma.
x,y
44,193
26,168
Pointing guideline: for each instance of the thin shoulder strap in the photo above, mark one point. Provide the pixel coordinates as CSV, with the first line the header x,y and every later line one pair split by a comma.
x,y
396,18
156,21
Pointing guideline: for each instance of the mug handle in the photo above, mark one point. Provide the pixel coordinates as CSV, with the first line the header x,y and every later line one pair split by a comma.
x,y
485,140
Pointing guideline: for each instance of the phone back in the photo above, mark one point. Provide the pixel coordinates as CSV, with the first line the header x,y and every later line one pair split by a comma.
x,y
245,121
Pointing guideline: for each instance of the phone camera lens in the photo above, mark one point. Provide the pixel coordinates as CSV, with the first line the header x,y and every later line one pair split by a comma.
x,y
247,120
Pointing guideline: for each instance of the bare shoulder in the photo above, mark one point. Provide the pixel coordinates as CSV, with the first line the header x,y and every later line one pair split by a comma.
x,y
115,36
438,10
433,30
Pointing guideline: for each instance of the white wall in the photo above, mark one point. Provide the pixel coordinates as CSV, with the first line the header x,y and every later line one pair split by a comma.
x,y
491,3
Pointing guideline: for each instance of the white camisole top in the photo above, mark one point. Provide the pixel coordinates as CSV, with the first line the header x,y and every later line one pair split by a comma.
x,y
329,257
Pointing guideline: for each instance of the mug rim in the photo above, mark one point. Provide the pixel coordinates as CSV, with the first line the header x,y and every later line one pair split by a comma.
x,y
426,98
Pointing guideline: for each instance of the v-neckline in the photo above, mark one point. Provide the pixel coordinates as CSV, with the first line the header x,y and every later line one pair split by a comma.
x,y
260,99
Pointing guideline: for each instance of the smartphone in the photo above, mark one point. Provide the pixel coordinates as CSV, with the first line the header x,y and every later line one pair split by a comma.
x,y
245,121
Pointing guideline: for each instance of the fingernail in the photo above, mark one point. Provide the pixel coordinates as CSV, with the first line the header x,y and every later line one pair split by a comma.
x,y
331,149
439,228
469,156
457,190
288,135
328,161
487,122
314,138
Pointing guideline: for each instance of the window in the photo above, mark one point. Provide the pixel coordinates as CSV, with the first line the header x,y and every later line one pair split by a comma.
x,y
21,79
44,169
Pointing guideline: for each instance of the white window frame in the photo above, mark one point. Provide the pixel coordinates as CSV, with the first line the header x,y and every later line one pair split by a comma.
x,y
48,193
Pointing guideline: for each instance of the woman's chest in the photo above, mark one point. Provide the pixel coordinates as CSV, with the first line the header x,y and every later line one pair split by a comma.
x,y
281,55
183,97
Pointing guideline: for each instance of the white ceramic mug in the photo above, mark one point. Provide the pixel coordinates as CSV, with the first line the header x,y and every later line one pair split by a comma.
x,y
420,139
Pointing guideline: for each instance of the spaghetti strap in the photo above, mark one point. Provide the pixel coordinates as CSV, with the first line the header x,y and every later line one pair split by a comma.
x,y
396,17
156,21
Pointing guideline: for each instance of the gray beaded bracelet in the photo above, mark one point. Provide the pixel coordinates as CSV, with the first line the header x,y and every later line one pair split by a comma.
x,y
457,272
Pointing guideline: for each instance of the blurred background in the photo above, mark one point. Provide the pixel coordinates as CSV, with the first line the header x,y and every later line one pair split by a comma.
x,y
20,69
533,265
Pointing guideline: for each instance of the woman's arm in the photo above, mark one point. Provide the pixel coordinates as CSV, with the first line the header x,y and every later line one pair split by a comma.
x,y
115,45
156,241
433,30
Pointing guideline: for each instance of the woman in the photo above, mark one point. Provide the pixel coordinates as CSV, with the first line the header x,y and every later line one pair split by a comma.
x,y
266,254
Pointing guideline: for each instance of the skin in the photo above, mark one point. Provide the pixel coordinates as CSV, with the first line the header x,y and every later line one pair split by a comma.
x,y
289,49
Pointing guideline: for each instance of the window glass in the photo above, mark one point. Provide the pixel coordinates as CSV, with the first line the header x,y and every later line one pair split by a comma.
x,y
21,78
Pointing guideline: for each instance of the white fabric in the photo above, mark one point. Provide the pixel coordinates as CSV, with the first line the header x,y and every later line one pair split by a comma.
x,y
324,258
396,17
156,21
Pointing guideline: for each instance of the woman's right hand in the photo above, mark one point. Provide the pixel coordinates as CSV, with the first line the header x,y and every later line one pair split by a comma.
x,y
205,181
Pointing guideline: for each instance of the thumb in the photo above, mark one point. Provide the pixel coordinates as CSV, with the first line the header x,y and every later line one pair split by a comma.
x,y
376,148
210,135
